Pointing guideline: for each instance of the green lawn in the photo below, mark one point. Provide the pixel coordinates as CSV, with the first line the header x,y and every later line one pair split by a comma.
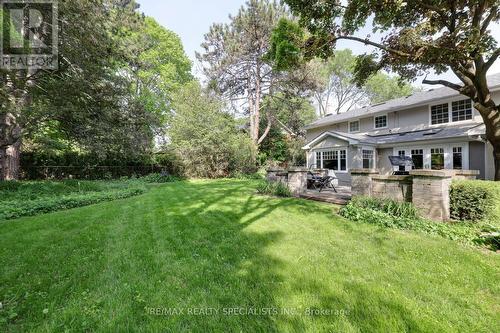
x,y
195,245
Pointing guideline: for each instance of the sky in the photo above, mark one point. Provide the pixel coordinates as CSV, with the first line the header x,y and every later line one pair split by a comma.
x,y
191,19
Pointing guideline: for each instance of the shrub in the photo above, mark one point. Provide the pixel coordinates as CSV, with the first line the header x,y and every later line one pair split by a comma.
x,y
206,138
159,178
274,188
475,200
391,207
391,214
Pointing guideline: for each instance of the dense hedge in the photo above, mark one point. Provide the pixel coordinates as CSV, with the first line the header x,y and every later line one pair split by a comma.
x,y
43,165
475,200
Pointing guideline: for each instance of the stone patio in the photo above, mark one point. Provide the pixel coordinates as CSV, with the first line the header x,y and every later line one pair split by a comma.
x,y
342,197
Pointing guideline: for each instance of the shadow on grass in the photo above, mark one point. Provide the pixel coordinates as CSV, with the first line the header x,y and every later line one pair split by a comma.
x,y
149,263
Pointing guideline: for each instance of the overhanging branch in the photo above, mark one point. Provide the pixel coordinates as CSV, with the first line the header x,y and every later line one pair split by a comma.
x,y
444,83
366,41
492,59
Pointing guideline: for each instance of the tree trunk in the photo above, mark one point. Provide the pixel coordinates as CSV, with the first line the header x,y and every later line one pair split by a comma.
x,y
10,159
490,113
496,158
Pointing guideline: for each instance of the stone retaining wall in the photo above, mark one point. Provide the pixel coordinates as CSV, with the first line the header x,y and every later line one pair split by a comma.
x,y
294,178
361,181
431,193
277,175
397,188
428,190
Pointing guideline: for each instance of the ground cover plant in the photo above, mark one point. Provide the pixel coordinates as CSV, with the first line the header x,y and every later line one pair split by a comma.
x,y
277,189
392,214
219,245
30,198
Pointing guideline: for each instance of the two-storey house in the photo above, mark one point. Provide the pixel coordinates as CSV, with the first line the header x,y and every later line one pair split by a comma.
x,y
438,129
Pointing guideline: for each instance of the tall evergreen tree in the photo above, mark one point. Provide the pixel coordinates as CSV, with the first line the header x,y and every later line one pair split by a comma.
x,y
234,61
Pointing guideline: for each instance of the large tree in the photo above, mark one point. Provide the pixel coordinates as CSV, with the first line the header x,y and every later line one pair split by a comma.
x,y
233,58
111,92
83,76
339,92
235,65
419,36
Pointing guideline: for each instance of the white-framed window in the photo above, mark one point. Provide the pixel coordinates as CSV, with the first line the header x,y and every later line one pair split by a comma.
x,y
461,110
402,153
334,159
439,114
380,121
457,158
417,155
354,126
368,159
437,158
318,160
331,160
343,160
451,112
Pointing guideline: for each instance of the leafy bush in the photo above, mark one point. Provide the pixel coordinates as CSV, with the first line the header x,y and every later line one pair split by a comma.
x,y
51,165
274,188
12,210
475,200
206,138
391,207
391,214
159,178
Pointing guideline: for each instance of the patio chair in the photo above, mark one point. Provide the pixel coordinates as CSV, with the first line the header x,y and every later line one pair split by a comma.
x,y
320,183
326,182
401,162
311,176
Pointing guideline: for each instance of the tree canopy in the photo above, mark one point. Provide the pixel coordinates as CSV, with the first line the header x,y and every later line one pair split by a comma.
x,y
338,90
419,36
110,94
235,64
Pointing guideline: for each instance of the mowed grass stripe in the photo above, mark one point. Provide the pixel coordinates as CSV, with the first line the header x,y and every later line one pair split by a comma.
x,y
216,244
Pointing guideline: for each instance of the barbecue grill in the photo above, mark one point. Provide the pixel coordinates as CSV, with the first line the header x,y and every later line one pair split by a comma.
x,y
402,162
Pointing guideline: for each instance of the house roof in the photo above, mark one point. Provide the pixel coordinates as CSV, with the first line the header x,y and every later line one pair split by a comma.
x,y
398,104
352,139
451,132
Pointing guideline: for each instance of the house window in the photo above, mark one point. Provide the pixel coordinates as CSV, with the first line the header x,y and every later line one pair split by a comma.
x,y
332,160
417,155
457,158
368,159
343,160
461,110
437,158
354,126
402,153
381,121
439,114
